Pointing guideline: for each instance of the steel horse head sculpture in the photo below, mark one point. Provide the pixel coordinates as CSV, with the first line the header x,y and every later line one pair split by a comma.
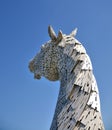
x,y
64,58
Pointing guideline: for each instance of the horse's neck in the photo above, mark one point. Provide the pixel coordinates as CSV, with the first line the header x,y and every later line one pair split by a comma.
x,y
75,60
69,69
78,87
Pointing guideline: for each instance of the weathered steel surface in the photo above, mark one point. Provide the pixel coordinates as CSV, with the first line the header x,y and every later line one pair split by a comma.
x,y
64,58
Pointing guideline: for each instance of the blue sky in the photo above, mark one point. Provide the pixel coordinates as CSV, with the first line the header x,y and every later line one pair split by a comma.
x,y
28,104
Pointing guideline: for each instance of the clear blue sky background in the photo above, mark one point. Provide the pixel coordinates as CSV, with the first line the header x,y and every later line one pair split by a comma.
x,y
28,104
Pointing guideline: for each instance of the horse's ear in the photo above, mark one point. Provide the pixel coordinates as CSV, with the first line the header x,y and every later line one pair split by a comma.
x,y
74,32
51,33
60,36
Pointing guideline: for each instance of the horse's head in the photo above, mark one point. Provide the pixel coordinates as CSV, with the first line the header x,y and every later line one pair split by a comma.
x,y
46,62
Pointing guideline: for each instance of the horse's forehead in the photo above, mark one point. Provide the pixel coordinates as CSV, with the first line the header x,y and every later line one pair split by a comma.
x,y
46,45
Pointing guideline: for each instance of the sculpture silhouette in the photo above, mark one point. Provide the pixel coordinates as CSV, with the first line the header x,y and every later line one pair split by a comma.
x,y
64,58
